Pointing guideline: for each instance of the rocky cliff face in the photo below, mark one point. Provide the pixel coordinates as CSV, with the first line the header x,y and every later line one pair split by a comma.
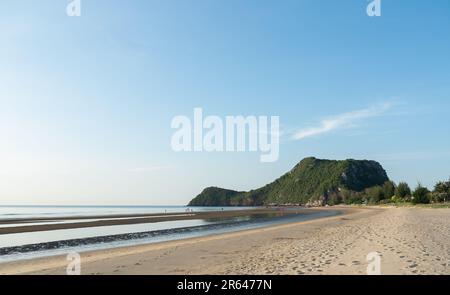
x,y
310,182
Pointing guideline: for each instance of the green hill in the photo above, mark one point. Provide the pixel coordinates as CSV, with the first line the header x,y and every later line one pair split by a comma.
x,y
214,196
312,181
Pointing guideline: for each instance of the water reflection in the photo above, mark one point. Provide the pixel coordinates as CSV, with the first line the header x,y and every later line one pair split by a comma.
x,y
28,245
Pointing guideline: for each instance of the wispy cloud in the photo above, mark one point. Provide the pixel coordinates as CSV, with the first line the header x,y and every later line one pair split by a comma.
x,y
344,120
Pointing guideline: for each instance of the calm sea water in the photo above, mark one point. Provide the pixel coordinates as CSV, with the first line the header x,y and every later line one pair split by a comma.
x,y
19,212
83,239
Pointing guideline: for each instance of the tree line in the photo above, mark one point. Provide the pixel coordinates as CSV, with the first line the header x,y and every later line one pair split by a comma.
x,y
391,192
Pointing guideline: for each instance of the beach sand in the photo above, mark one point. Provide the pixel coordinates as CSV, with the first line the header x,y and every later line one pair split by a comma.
x,y
409,240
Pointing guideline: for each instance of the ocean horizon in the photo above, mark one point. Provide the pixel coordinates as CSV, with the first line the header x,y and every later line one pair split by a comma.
x,y
42,211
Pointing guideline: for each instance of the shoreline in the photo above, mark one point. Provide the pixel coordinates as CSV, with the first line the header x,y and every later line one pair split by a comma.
x,y
129,219
408,240
55,261
105,241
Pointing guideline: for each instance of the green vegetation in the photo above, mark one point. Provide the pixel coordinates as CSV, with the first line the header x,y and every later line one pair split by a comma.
x,y
438,198
214,196
320,181
379,194
403,191
441,193
311,182
421,195
315,182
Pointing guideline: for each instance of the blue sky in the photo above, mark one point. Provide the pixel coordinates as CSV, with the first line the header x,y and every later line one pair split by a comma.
x,y
86,102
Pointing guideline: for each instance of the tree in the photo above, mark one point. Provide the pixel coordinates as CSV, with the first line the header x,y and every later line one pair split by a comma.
x,y
374,194
388,189
442,187
421,195
441,192
403,191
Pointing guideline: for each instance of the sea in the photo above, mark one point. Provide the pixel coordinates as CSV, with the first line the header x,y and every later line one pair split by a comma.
x,y
19,246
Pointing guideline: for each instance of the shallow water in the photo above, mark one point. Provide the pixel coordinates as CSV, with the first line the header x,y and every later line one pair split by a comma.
x,y
25,212
37,244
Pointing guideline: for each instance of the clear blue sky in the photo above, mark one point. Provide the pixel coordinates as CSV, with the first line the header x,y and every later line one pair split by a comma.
x,y
86,102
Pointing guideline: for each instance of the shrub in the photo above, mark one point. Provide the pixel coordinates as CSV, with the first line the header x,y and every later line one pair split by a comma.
x,y
441,192
350,197
374,194
334,199
439,197
388,189
403,191
421,195
442,187
396,199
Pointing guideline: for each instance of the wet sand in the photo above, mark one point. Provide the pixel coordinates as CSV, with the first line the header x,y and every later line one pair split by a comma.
x,y
131,219
409,240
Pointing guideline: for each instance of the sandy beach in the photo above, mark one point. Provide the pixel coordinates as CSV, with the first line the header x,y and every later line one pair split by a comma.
x,y
409,240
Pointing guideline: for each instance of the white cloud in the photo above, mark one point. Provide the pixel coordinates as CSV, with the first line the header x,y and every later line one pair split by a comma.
x,y
344,120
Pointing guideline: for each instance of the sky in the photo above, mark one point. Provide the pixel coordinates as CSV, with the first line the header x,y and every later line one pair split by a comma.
x,y
86,103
